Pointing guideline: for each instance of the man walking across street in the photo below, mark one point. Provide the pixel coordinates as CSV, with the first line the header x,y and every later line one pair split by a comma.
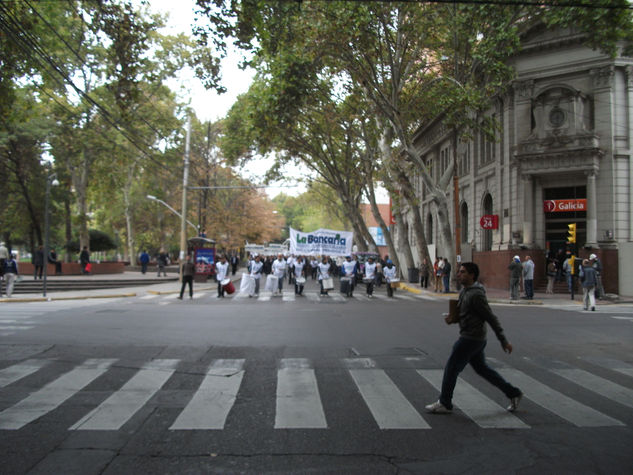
x,y
515,277
528,277
473,312
188,271
589,279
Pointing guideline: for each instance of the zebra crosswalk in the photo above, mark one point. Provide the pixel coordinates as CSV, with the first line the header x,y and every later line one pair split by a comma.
x,y
300,390
287,296
21,316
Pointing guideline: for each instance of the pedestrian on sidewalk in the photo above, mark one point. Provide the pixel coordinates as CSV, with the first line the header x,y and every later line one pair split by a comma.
x,y
528,277
473,314
38,263
162,260
144,259
437,272
188,271
589,279
235,260
10,273
515,277
4,255
425,272
446,275
52,258
551,275
84,260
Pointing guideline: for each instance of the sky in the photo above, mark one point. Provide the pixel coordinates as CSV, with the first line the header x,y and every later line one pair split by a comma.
x,y
209,105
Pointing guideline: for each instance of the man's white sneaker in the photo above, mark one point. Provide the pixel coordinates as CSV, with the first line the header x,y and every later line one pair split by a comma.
x,y
514,403
437,408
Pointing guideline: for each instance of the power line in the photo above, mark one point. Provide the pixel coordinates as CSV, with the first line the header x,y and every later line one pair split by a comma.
x,y
31,45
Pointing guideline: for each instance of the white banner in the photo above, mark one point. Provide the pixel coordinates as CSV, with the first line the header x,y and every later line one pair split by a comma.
x,y
321,242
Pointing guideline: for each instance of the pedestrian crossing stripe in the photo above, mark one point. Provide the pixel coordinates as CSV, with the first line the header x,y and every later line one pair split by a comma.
x,y
289,296
298,403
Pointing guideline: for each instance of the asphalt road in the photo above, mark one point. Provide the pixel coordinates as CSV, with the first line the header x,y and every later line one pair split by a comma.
x,y
152,384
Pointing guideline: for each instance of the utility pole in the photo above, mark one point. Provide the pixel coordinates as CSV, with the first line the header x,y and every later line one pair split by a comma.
x,y
185,183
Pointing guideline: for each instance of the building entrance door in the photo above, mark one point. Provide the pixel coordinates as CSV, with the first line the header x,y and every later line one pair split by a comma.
x,y
564,206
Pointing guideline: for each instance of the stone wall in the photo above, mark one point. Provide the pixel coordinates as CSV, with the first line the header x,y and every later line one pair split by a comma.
x,y
74,268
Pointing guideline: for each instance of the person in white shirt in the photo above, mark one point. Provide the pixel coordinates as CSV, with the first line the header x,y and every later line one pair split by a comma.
x,y
256,266
314,264
324,273
370,275
349,271
289,263
299,269
221,271
279,271
390,275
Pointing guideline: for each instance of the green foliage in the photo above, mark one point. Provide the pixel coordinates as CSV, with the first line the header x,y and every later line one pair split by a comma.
x,y
99,241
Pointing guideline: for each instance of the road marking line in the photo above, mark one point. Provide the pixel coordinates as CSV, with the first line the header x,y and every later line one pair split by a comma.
x,y
149,296
210,405
389,407
53,394
115,411
15,327
480,408
598,385
612,364
298,400
288,296
21,370
558,403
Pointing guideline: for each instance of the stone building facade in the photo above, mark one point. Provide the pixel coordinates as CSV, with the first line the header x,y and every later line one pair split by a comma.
x,y
563,154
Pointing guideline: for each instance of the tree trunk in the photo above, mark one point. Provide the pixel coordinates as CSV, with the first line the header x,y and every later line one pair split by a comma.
x,y
130,252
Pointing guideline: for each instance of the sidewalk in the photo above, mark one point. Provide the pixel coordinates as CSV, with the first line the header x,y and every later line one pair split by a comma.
x,y
502,296
499,296
169,287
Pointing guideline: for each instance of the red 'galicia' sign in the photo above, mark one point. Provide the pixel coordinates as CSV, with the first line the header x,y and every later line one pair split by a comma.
x,y
489,221
564,206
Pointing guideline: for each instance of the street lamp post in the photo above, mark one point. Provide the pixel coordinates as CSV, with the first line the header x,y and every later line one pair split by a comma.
x,y
153,198
50,180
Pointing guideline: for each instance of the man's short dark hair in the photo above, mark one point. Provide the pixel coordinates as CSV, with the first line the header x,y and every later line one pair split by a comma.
x,y
471,268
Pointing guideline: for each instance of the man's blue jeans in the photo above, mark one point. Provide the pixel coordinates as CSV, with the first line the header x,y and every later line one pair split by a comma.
x,y
470,351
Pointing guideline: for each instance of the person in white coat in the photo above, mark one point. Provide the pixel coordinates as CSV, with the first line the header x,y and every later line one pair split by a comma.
x,y
349,272
299,271
279,271
324,273
221,272
256,266
370,276
390,274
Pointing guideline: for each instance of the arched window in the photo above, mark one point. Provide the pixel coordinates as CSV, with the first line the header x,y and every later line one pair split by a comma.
x,y
464,222
486,234
429,229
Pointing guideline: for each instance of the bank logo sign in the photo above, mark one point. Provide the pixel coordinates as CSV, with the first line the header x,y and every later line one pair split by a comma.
x,y
564,206
321,242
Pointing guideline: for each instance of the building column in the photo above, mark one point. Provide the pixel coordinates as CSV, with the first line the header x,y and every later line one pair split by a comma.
x,y
539,215
528,210
592,210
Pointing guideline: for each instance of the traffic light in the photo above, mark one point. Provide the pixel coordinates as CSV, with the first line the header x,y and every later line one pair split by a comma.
x,y
571,233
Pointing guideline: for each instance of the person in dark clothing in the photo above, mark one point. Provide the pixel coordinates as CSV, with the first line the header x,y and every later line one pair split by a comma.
x,y
52,258
235,260
516,270
446,276
84,259
188,271
38,263
472,315
144,259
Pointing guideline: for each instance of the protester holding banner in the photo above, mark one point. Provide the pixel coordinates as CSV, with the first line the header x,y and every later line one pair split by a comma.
x,y
324,276
289,264
314,267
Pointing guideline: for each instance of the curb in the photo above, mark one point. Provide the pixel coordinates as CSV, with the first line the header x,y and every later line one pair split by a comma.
x,y
50,299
